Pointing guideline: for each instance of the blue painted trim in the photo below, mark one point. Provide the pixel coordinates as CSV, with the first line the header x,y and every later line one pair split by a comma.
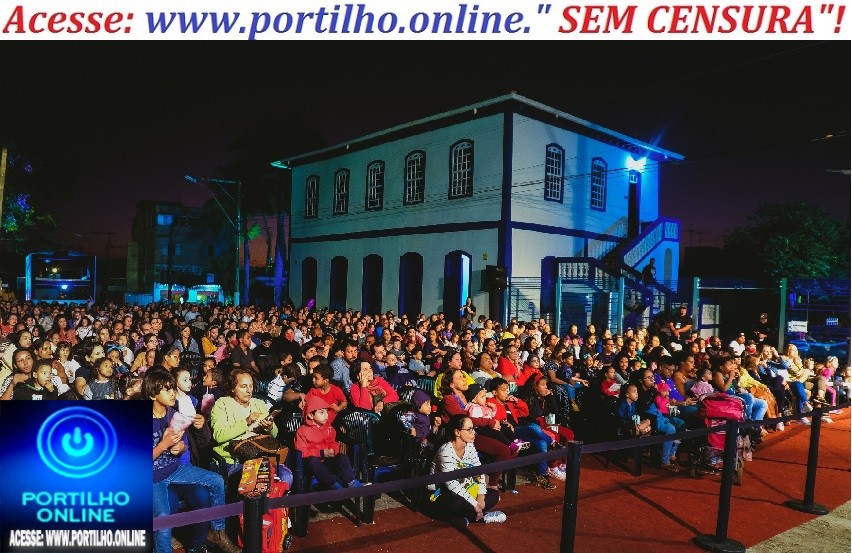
x,y
504,231
401,231
548,229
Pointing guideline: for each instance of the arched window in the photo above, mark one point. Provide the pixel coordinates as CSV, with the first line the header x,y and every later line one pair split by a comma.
x,y
461,169
341,192
309,280
375,186
338,280
554,170
371,287
598,196
312,197
411,284
415,178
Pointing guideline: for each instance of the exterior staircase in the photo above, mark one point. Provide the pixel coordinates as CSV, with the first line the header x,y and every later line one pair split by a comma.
x,y
612,285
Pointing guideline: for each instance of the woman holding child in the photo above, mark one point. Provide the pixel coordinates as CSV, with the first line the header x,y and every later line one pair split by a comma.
x,y
454,385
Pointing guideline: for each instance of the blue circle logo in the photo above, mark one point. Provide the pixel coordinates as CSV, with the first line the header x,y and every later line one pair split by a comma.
x,y
77,442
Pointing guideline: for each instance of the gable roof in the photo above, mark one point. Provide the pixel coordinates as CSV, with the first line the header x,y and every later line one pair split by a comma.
x,y
510,102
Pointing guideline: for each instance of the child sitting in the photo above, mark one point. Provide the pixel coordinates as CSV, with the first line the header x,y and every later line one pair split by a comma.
x,y
284,390
609,385
630,422
662,401
415,363
104,386
702,386
419,422
316,441
38,386
479,408
210,389
328,392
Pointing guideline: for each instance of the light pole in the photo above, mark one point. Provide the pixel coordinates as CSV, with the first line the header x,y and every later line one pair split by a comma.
x,y
238,226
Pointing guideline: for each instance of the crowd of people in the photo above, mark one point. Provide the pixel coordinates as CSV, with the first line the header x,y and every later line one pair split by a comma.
x,y
221,375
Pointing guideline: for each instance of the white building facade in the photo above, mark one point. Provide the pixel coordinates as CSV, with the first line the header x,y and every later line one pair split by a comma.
x,y
408,218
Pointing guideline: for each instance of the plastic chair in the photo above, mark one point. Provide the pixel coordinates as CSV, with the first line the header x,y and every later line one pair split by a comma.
x,y
194,362
359,426
427,384
405,393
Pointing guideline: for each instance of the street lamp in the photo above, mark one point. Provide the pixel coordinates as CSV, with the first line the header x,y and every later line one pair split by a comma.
x,y
238,226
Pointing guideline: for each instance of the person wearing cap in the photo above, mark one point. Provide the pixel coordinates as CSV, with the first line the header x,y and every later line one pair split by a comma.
x,y
680,325
737,346
316,440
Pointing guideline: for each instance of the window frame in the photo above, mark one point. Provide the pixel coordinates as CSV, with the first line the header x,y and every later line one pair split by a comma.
x,y
467,185
312,213
380,186
337,207
598,184
549,178
410,187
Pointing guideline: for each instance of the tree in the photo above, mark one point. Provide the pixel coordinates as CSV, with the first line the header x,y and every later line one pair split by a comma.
x,y
793,240
34,181
266,190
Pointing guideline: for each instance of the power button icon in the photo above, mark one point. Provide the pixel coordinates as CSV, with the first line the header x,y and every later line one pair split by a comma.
x,y
77,442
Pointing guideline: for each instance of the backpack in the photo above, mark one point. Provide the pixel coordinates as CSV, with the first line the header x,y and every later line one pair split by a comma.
x,y
273,536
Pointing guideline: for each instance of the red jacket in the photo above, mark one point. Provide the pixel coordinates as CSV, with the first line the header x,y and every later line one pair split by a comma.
x,y
312,438
363,398
517,410
506,367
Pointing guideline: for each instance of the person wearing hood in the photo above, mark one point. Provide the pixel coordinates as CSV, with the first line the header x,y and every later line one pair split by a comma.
x,y
316,440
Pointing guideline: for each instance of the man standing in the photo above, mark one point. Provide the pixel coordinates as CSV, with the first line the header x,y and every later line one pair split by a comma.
x,y
649,273
761,330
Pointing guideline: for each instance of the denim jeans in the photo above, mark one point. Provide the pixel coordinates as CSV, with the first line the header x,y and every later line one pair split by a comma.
x,y
755,408
186,474
798,390
539,442
572,389
664,426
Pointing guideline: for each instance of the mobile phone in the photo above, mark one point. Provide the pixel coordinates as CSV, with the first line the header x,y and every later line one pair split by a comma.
x,y
272,414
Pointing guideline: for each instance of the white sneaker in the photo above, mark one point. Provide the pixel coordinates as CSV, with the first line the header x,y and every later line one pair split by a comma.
x,y
808,407
494,517
779,427
826,418
805,420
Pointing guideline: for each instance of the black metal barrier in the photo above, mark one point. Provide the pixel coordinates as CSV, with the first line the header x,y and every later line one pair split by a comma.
x,y
254,508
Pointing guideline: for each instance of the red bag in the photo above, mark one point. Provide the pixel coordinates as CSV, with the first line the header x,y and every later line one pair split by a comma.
x,y
717,409
275,526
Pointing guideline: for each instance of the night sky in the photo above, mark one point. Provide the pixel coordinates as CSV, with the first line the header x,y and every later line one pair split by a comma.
x,y
750,117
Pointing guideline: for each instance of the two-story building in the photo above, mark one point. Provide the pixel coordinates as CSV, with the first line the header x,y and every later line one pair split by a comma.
x,y
409,217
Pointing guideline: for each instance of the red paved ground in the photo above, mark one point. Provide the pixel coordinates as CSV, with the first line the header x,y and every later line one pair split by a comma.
x,y
617,512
